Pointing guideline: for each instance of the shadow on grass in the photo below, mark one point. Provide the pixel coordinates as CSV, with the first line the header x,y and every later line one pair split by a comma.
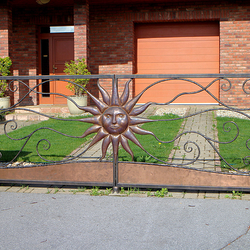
x,y
8,155
26,156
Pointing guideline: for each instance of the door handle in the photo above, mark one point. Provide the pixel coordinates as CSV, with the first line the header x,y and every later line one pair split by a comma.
x,y
54,68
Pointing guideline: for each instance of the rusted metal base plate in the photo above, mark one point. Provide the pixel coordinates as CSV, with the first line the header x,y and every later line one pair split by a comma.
x,y
87,173
179,178
129,174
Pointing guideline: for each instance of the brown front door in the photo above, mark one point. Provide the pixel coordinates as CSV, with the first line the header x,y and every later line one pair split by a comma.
x,y
55,50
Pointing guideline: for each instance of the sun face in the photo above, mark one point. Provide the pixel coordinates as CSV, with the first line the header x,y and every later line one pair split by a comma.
x,y
115,120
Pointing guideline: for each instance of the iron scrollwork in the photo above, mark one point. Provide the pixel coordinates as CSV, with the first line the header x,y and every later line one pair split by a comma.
x,y
115,119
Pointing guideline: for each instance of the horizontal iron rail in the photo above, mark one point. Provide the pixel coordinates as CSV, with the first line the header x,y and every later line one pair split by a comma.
x,y
55,77
126,76
184,76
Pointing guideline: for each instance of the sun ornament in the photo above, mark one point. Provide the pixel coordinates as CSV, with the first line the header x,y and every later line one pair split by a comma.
x,y
115,120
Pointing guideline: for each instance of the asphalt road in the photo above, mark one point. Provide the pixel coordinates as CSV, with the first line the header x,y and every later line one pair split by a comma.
x,y
66,221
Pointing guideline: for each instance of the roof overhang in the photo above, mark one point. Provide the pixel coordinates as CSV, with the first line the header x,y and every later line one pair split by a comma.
x,y
60,3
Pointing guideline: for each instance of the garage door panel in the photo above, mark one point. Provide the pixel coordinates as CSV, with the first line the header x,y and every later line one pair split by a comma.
x,y
166,51
194,49
178,58
162,90
178,45
182,67
177,41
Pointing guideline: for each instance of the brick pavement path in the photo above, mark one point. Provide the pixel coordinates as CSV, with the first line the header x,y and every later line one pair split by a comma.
x,y
205,124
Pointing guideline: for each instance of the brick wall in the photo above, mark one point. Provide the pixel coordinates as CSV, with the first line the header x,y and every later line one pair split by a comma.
x,y
235,57
81,23
112,38
6,36
5,31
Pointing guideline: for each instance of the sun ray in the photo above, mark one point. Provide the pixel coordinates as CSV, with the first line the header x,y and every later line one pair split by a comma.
x,y
125,145
141,109
139,120
129,135
94,120
105,95
100,105
129,105
90,109
115,101
105,145
141,131
100,135
125,94
93,129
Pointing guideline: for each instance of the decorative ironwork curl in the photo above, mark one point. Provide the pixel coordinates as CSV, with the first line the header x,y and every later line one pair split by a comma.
x,y
12,86
246,159
244,86
226,86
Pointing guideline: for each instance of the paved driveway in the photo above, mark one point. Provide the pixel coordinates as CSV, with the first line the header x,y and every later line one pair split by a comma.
x,y
66,221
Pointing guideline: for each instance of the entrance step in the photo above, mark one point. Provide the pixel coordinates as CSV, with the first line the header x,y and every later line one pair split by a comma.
x,y
28,115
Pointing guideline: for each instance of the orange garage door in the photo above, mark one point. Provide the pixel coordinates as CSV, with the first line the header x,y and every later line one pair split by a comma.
x,y
177,48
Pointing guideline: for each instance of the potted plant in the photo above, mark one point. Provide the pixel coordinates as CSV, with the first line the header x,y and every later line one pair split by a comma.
x,y
77,67
5,64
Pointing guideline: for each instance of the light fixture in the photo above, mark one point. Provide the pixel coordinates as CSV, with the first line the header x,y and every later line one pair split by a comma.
x,y
42,1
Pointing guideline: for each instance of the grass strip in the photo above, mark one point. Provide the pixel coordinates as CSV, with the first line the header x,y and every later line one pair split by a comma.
x,y
61,146
164,130
234,152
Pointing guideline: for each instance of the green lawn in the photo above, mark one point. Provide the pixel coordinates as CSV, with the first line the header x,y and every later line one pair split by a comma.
x,y
164,130
234,152
61,146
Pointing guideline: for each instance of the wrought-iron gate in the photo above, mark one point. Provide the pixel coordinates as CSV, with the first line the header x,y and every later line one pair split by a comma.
x,y
117,119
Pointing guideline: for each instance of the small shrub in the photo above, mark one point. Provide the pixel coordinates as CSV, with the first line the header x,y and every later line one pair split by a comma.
x,y
77,67
5,64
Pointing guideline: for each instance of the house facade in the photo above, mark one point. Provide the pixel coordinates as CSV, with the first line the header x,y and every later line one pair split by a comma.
x,y
128,37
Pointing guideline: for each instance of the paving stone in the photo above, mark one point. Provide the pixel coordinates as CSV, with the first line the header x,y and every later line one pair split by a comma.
x,y
14,189
201,195
138,195
40,190
64,191
177,195
246,196
191,195
213,195
3,188
26,189
29,190
225,195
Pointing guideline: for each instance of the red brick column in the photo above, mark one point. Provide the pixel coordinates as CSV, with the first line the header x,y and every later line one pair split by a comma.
x,y
5,31
32,84
234,59
81,23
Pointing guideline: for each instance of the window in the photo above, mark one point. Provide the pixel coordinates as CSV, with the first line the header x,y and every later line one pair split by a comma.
x,y
57,29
